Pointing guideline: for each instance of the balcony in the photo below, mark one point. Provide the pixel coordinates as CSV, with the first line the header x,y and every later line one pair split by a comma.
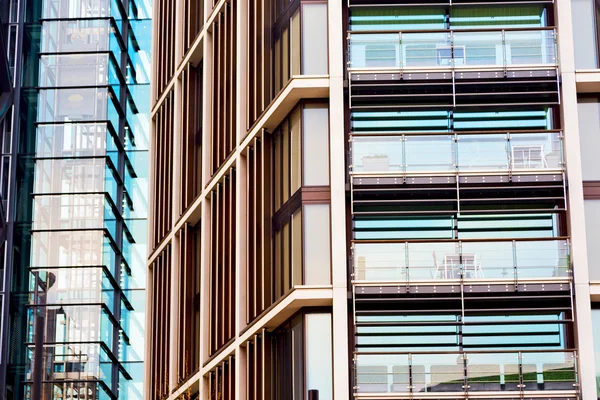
x,y
469,261
547,374
458,153
460,49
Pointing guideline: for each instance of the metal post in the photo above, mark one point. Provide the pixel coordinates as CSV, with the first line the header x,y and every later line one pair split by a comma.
x,y
38,354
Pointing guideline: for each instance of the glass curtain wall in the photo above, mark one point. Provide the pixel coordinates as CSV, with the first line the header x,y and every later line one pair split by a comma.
x,y
83,200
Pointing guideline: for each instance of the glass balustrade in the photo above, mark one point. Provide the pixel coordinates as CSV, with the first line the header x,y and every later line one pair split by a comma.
x,y
463,153
489,48
456,372
455,260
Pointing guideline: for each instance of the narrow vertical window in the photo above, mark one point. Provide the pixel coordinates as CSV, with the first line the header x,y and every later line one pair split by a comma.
x,y
319,356
316,145
314,39
317,264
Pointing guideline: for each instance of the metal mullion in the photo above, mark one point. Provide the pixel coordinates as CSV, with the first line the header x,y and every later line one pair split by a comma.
x,y
188,290
167,170
255,367
257,262
266,365
251,286
163,45
223,249
232,379
183,144
220,93
233,74
161,297
266,39
215,96
215,263
227,304
160,175
266,227
226,100
153,322
218,260
251,265
249,377
257,228
255,66
232,259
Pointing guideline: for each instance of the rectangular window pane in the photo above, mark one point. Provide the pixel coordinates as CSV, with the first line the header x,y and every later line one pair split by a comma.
x,y
297,248
314,39
592,228
596,333
296,160
317,264
286,258
286,162
298,358
295,46
584,34
318,355
285,40
316,146
588,111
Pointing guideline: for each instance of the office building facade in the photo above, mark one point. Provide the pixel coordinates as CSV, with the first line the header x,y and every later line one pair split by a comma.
x,y
374,200
74,197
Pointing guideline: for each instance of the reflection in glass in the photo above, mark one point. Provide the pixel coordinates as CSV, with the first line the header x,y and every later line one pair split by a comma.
x,y
317,244
314,39
315,130
319,369
63,249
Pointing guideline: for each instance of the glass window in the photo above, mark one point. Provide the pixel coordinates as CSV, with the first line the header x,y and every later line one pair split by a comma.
x,y
295,46
584,34
397,18
596,333
296,160
317,260
297,248
588,111
592,228
314,39
525,16
298,358
319,367
316,145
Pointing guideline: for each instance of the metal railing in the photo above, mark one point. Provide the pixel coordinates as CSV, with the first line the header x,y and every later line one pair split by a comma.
x,y
489,371
451,260
456,152
459,48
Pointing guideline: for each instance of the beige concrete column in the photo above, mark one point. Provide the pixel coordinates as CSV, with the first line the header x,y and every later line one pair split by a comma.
x,y
338,203
583,313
